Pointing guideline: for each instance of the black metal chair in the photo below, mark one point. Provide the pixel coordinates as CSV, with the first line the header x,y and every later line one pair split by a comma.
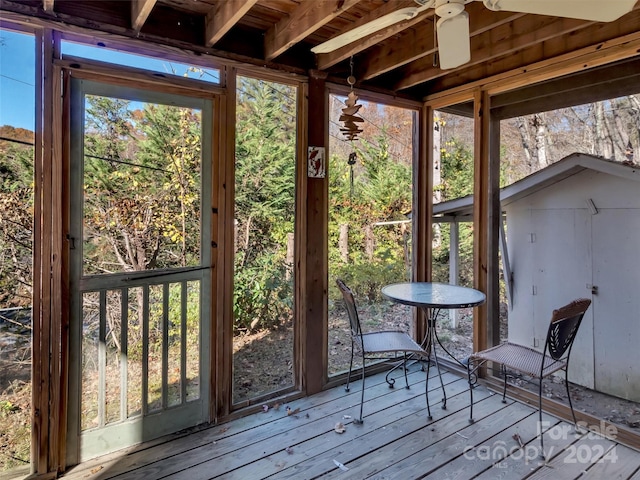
x,y
527,361
375,345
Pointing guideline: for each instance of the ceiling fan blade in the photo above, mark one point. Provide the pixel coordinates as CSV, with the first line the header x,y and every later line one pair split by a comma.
x,y
453,40
595,10
369,28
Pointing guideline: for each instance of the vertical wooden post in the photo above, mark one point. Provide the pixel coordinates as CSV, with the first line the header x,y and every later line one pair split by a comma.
x,y
224,233
57,234
48,290
316,281
480,213
44,345
493,245
422,204
64,138
300,264
40,274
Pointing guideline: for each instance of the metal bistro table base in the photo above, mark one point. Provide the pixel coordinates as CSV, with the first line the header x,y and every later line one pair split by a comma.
x,y
434,296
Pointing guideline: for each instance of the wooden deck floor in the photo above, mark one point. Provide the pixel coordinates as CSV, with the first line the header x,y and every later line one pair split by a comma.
x,y
395,441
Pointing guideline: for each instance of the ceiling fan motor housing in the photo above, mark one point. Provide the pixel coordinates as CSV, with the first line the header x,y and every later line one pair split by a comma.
x,y
449,8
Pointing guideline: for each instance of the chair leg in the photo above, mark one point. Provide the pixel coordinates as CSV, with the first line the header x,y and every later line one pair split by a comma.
x,y
444,393
469,373
540,420
429,417
359,420
401,364
346,388
404,367
573,414
431,350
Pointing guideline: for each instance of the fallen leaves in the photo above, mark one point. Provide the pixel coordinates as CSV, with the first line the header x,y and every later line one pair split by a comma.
x,y
292,412
517,438
95,470
266,408
340,428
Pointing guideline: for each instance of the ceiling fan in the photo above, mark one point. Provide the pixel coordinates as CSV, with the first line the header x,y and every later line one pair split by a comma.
x,y
452,27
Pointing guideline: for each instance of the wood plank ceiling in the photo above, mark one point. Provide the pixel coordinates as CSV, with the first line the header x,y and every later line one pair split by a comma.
x,y
280,33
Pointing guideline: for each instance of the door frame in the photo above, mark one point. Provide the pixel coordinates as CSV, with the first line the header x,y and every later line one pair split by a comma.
x,y
213,97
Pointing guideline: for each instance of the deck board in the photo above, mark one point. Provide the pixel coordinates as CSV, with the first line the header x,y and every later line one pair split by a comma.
x,y
623,463
387,439
437,454
476,459
395,441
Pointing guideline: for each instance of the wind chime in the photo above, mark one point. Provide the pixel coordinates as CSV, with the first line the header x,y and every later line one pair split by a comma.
x,y
350,128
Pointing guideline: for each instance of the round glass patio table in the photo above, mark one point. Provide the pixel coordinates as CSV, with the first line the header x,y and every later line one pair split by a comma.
x,y
431,298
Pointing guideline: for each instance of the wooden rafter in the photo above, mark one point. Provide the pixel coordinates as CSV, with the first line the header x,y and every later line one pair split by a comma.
x,y
140,10
415,44
327,60
607,42
224,16
506,39
593,37
47,5
306,19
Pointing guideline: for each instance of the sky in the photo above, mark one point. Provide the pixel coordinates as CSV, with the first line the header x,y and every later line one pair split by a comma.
x,y
17,79
17,73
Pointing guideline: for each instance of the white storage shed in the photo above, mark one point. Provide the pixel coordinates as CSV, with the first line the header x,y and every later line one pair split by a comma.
x,y
573,230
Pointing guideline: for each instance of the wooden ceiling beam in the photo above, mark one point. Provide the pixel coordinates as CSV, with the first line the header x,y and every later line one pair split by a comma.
x,y
308,17
596,37
598,54
223,17
600,83
327,60
415,44
47,5
502,40
140,10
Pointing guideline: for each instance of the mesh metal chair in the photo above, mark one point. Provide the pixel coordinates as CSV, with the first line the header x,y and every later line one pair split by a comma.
x,y
527,361
377,345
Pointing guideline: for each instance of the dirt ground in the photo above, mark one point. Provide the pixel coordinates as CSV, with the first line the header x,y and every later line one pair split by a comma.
x,y
15,392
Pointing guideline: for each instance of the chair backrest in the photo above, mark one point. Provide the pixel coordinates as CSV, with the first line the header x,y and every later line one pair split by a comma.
x,y
564,326
352,311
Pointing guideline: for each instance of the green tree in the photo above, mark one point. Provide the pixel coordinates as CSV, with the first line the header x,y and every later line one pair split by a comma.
x,y
265,166
16,217
142,182
456,181
457,170
381,192
172,141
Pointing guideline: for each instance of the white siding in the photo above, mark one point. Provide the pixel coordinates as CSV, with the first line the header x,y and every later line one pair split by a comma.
x,y
558,248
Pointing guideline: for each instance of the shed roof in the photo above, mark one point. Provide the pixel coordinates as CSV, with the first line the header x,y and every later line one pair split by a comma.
x,y
554,173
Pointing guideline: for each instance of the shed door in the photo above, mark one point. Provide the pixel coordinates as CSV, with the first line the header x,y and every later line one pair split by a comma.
x,y
561,260
616,306
140,258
